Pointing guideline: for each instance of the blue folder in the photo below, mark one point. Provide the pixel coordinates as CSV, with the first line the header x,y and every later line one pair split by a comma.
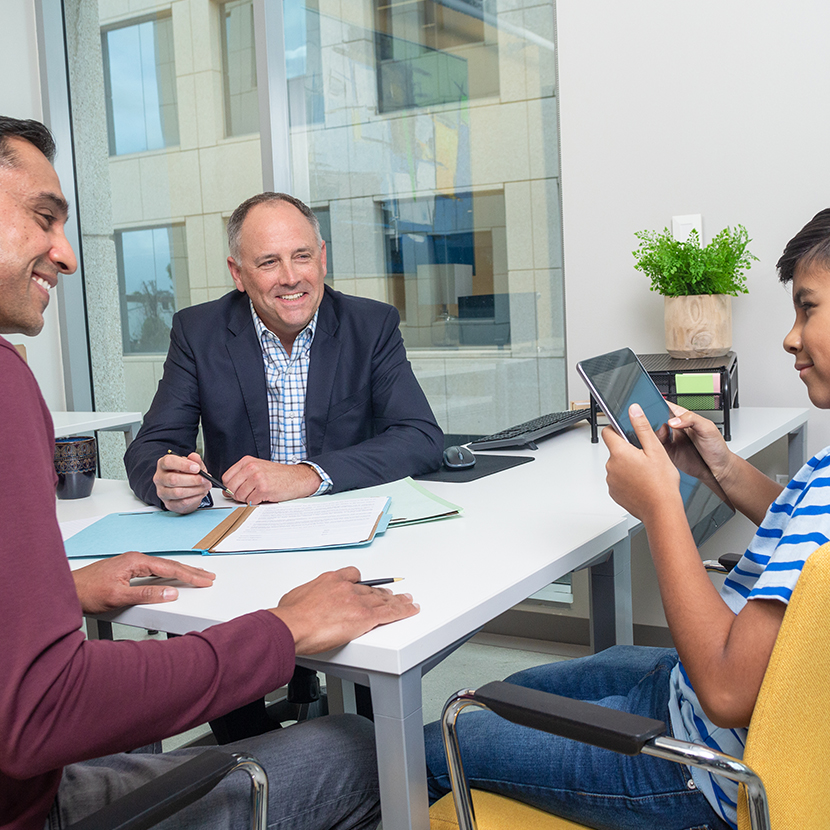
x,y
162,532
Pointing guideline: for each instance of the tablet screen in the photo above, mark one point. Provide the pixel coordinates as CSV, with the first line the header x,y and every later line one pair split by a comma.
x,y
617,380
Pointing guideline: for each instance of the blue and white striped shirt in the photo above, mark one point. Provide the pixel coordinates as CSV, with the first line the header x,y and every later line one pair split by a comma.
x,y
796,524
286,379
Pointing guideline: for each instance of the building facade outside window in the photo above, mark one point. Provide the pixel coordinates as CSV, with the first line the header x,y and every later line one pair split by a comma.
x,y
437,157
153,284
424,134
140,80
239,65
431,53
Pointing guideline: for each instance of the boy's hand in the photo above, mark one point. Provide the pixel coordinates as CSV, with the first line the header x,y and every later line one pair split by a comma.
x,y
641,481
697,447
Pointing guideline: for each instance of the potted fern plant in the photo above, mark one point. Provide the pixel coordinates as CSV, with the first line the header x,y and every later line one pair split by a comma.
x,y
698,283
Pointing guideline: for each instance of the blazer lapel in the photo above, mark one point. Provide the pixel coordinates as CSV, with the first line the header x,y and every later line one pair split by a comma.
x,y
246,355
322,370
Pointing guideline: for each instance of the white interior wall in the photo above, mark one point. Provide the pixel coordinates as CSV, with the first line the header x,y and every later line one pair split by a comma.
x,y
20,98
695,106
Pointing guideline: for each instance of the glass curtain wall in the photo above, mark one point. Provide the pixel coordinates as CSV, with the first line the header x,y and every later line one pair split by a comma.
x,y
166,129
423,132
428,130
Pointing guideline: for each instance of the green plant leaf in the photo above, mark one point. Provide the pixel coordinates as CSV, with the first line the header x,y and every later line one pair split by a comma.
x,y
677,269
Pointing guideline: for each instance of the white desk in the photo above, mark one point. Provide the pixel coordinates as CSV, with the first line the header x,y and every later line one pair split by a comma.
x,y
521,529
463,571
78,423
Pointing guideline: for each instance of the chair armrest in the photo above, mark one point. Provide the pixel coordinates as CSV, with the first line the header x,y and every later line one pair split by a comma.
x,y
160,798
724,564
586,722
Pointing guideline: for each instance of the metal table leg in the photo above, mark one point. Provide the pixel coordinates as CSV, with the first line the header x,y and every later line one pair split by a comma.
x,y
611,619
399,735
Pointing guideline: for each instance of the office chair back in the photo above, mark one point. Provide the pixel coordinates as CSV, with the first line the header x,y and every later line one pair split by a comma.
x,y
788,743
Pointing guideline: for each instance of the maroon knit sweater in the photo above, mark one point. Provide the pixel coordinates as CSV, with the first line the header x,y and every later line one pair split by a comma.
x,y
64,698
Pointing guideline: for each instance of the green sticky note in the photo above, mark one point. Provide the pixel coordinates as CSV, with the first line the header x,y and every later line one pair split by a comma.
x,y
697,390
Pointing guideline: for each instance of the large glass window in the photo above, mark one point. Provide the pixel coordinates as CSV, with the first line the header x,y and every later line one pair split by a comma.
x,y
165,122
423,132
140,78
429,52
437,159
152,277
303,67
239,55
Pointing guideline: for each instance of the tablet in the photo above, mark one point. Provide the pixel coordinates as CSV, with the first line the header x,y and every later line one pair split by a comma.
x,y
616,380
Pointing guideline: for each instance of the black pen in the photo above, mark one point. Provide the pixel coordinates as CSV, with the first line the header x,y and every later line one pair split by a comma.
x,y
212,479
373,582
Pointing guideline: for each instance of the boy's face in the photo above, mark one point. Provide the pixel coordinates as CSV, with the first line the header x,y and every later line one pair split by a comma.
x,y
809,338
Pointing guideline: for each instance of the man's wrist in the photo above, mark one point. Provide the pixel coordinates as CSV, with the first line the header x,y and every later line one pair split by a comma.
x,y
325,482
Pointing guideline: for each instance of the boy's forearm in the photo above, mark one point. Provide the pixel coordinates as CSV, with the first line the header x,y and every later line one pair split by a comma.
x,y
724,655
750,491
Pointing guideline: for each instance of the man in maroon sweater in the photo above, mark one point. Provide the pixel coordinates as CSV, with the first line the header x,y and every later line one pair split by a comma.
x,y
69,706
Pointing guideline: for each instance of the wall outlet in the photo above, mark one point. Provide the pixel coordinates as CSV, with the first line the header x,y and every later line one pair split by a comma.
x,y
682,226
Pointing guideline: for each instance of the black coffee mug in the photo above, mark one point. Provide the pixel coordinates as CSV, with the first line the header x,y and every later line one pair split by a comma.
x,y
76,461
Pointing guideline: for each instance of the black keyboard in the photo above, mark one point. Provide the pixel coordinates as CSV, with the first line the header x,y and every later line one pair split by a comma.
x,y
525,435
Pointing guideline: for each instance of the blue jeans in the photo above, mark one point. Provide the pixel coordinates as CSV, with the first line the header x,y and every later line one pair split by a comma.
x,y
596,787
322,775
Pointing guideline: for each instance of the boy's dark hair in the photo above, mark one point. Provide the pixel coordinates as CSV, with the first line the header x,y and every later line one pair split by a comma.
x,y
811,244
32,131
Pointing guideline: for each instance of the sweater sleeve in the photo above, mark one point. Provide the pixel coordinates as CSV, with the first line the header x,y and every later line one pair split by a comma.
x,y
64,698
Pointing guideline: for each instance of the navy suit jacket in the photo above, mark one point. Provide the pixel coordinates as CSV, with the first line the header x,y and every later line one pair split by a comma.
x,y
367,419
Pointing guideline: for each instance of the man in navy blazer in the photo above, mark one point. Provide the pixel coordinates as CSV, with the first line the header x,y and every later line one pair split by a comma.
x,y
366,419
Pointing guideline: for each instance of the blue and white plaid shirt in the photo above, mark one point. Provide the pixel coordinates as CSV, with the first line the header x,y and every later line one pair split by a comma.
x,y
286,378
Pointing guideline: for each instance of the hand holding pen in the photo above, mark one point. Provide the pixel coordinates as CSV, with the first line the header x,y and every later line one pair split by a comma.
x,y
206,475
180,485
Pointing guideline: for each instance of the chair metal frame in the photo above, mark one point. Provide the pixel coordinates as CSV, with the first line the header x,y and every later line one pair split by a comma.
x,y
589,723
164,796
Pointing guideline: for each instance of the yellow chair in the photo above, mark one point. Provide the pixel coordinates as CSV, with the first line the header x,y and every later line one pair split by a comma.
x,y
787,745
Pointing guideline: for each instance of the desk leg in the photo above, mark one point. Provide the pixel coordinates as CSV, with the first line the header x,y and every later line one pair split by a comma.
x,y
610,594
340,694
130,433
98,629
796,449
399,736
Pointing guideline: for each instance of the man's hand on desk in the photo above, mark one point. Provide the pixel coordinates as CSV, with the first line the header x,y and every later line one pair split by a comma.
x,y
105,585
178,482
332,610
254,480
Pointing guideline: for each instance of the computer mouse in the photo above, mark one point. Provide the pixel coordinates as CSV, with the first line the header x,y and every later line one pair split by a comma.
x,y
458,458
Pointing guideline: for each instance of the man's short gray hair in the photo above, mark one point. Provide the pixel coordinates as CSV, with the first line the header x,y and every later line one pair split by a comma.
x,y
238,217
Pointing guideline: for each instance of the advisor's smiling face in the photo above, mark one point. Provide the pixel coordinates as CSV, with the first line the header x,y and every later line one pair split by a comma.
x,y
33,246
281,266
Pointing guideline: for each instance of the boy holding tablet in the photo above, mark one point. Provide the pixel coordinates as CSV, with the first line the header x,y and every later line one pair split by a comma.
x,y
706,688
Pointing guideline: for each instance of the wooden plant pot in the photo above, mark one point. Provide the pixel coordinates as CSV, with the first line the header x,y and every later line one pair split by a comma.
x,y
698,325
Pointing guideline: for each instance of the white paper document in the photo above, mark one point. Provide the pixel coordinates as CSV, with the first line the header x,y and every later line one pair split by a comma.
x,y
306,523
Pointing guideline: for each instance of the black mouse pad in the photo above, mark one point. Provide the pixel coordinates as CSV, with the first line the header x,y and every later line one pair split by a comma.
x,y
485,465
